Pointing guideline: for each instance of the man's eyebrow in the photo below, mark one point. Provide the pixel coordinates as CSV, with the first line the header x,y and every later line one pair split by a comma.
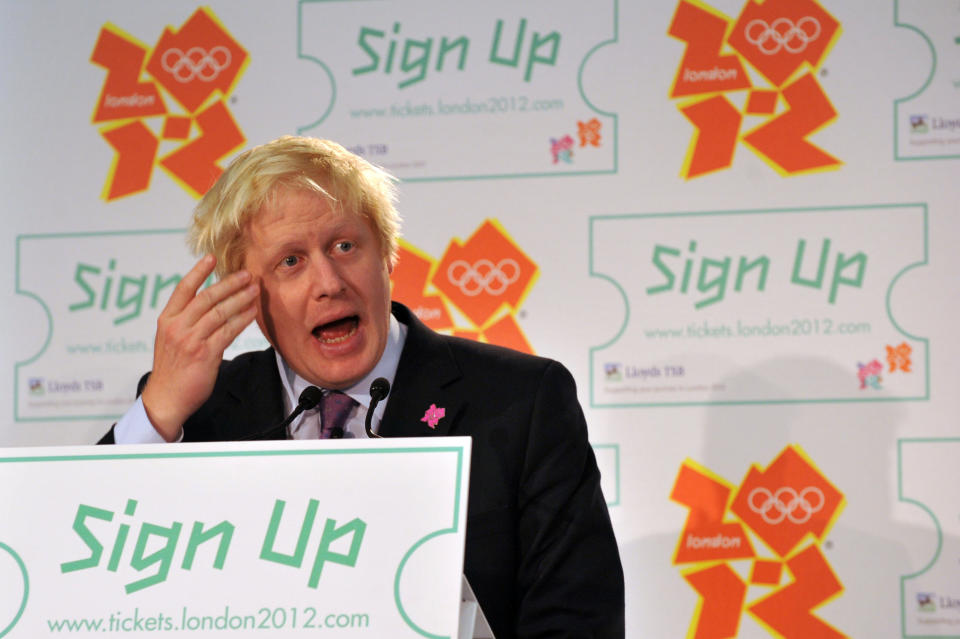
x,y
285,245
341,224
328,232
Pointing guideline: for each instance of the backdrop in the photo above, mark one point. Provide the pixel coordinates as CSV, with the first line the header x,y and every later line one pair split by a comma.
x,y
735,221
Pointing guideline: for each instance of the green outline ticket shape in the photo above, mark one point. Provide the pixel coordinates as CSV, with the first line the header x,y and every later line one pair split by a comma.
x,y
491,90
99,295
929,478
239,539
927,122
767,306
14,581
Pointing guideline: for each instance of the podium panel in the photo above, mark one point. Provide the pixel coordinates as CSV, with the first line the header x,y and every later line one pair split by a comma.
x,y
266,539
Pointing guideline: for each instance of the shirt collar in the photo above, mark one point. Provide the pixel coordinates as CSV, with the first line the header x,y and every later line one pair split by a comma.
x,y
293,384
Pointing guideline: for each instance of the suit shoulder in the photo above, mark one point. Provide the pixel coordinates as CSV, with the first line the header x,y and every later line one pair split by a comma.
x,y
245,364
505,363
494,352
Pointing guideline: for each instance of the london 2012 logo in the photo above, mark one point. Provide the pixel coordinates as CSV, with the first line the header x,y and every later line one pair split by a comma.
x,y
474,290
784,44
171,95
775,522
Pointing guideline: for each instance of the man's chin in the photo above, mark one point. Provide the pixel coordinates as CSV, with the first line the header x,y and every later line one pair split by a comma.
x,y
339,375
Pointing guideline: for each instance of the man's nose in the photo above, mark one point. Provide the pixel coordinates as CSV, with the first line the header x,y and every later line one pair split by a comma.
x,y
325,278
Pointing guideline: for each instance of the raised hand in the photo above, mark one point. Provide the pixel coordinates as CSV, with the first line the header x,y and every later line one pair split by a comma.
x,y
193,330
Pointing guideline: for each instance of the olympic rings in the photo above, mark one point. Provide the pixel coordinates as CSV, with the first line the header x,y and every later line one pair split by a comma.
x,y
483,276
770,39
773,502
196,63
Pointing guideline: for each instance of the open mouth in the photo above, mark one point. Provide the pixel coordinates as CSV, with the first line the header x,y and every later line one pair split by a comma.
x,y
337,331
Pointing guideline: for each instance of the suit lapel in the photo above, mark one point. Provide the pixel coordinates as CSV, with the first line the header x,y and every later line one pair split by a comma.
x,y
423,400
253,398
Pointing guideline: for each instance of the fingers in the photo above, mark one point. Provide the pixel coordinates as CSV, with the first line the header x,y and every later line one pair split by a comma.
x,y
212,296
186,289
225,316
193,315
189,303
228,331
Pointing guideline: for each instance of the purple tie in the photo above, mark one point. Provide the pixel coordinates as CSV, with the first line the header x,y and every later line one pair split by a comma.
x,y
334,408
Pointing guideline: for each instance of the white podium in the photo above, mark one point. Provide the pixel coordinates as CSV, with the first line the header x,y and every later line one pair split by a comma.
x,y
258,539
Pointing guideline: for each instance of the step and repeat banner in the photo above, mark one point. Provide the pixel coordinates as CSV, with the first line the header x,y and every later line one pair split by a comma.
x,y
733,220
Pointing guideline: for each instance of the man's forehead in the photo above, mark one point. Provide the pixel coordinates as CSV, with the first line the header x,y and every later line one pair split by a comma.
x,y
291,208
302,213
284,201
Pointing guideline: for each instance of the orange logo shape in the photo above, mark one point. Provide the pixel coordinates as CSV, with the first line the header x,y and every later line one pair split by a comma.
x,y
718,123
780,40
411,277
781,505
485,273
703,69
722,594
778,36
706,537
194,164
787,612
197,66
787,501
782,140
484,280
197,61
123,94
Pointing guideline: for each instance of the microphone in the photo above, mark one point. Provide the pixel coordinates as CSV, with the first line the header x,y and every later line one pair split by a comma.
x,y
309,398
379,390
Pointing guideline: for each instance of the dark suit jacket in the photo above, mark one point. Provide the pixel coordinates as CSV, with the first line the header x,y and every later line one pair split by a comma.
x,y
540,551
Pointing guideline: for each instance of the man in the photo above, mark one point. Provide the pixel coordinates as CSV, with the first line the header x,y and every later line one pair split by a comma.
x,y
303,235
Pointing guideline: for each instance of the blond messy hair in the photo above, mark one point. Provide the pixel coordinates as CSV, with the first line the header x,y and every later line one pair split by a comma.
x,y
252,180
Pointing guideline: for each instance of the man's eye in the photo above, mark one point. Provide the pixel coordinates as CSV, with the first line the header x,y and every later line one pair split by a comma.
x,y
290,260
345,246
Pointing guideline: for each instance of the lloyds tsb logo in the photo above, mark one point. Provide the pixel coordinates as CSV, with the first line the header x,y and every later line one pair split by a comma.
x,y
925,602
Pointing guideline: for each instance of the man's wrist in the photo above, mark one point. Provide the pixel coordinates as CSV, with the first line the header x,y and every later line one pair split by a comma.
x,y
169,427
135,427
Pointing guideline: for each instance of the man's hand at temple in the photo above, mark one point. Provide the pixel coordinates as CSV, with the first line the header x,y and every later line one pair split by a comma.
x,y
193,330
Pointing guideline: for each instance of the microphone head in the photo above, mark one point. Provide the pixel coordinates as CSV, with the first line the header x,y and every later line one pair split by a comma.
x,y
310,397
379,389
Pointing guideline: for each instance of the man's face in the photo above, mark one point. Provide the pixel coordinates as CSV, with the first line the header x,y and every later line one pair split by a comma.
x,y
325,287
